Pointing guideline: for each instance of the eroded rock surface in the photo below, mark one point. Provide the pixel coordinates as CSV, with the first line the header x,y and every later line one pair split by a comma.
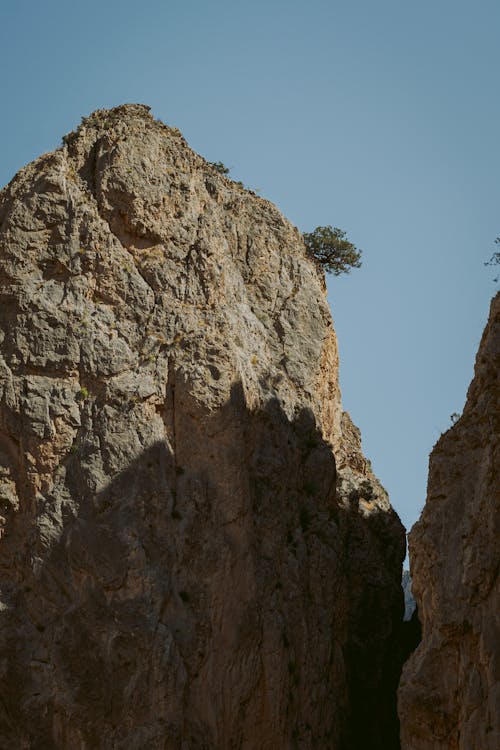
x,y
449,698
183,565
409,600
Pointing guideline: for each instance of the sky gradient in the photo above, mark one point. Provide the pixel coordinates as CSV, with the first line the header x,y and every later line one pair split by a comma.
x,y
380,118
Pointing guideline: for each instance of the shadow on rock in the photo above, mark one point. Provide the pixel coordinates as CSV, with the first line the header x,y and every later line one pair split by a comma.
x,y
218,592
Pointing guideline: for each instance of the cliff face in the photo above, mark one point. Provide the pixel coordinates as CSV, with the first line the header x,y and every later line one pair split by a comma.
x,y
449,698
193,553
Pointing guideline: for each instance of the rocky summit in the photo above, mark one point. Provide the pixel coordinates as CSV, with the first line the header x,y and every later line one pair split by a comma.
x,y
195,554
449,698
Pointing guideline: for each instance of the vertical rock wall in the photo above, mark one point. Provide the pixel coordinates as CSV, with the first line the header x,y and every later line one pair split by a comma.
x,y
194,554
449,698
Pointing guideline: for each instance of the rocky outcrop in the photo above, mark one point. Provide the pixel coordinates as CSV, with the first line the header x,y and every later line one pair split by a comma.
x,y
449,697
194,552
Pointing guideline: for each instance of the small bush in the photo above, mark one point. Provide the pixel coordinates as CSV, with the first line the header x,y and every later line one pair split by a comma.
x,y
495,259
219,167
331,249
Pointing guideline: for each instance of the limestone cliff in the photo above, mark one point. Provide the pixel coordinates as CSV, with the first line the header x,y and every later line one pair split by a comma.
x,y
449,697
183,565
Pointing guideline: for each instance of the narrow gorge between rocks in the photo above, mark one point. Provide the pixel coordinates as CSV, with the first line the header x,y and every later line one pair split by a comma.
x,y
195,553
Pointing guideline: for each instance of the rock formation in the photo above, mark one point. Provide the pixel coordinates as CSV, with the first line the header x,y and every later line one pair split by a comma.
x,y
194,553
409,600
449,698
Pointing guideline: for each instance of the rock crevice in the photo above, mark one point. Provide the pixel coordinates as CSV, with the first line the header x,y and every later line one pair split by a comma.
x,y
449,697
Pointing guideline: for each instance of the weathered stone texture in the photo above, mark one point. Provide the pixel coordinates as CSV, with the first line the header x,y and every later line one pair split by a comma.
x,y
449,698
182,566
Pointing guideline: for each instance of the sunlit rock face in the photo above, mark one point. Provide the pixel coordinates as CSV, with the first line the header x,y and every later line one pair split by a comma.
x,y
449,697
194,553
409,600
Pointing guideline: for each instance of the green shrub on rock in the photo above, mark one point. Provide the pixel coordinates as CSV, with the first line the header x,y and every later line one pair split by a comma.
x,y
332,250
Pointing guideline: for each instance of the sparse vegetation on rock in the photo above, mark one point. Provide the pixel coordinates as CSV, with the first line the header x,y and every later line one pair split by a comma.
x,y
331,249
495,259
220,167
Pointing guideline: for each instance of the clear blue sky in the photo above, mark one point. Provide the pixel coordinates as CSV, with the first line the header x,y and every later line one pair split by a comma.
x,y
381,118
